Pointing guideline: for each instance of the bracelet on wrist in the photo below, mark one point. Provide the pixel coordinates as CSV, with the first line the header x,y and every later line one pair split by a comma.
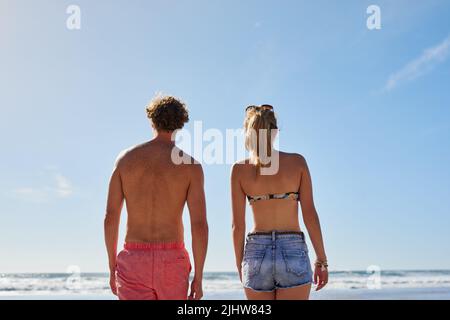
x,y
323,265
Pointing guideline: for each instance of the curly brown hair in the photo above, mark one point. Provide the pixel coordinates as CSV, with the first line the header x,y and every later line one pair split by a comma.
x,y
167,113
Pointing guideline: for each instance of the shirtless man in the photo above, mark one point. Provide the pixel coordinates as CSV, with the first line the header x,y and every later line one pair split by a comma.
x,y
154,264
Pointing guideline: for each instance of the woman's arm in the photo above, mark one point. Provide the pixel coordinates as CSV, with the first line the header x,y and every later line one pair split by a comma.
x,y
312,223
238,208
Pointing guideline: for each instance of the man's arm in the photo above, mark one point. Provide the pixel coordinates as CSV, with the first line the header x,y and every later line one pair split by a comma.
x,y
238,224
112,221
199,228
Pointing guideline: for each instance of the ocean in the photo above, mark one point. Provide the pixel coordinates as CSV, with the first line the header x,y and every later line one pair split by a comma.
x,y
401,284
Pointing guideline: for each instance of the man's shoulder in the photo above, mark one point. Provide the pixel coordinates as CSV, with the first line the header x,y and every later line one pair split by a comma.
x,y
180,157
128,153
191,168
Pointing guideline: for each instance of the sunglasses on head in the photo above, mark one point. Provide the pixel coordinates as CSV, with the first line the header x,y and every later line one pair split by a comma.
x,y
261,107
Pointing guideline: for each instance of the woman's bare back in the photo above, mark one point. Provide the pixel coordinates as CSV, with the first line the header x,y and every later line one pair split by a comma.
x,y
274,214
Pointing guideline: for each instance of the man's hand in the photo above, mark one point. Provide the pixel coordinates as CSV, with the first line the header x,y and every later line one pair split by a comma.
x,y
320,277
112,282
196,289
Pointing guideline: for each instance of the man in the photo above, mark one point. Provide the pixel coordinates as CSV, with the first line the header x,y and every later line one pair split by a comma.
x,y
154,264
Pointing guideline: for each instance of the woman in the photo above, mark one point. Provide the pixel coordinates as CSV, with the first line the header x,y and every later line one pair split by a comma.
x,y
274,265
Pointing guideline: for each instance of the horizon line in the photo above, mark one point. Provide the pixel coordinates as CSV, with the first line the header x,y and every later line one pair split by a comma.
x,y
336,270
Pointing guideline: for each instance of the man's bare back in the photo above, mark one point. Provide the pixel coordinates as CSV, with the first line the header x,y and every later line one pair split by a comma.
x,y
155,191
155,187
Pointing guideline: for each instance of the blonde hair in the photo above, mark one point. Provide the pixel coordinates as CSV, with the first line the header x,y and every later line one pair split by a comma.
x,y
259,123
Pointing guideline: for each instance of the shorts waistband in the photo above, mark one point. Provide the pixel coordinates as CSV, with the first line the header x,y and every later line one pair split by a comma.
x,y
154,245
276,234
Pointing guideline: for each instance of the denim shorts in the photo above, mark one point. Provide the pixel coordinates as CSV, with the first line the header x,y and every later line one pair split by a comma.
x,y
275,260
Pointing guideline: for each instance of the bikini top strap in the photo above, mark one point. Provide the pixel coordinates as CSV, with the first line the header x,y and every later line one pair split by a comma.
x,y
288,195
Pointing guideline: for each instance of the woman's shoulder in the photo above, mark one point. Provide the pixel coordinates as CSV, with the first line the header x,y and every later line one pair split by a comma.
x,y
241,166
294,157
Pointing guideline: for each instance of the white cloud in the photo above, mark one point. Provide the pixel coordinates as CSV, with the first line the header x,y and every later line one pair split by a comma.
x,y
257,24
63,186
420,66
32,194
55,186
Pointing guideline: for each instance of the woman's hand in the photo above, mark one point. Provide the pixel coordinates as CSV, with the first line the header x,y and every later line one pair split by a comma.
x,y
320,277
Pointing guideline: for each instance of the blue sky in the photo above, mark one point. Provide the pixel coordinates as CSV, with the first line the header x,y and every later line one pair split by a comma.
x,y
368,109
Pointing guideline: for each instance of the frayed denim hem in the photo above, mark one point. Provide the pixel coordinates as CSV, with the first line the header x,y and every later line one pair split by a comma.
x,y
296,286
277,288
258,290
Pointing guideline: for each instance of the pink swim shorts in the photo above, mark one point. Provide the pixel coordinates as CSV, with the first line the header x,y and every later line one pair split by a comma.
x,y
153,271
